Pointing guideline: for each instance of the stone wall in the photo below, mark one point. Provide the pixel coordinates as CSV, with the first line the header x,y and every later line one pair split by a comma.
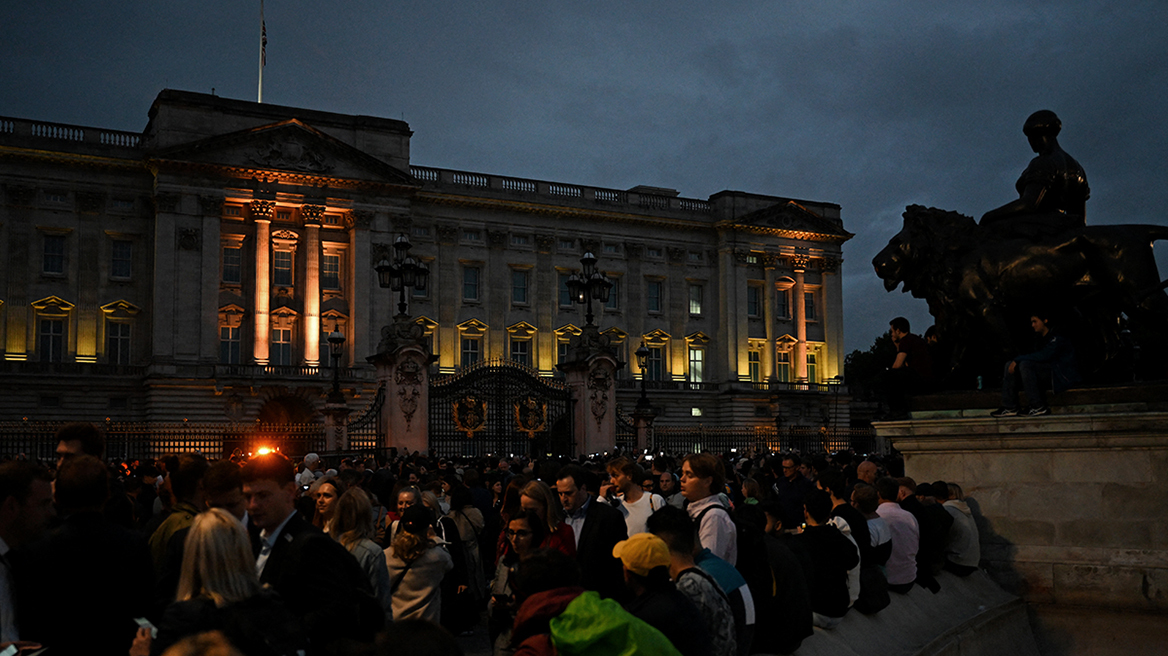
x,y
1072,509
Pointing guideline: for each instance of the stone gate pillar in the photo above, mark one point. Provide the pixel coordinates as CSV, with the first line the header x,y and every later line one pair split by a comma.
x,y
590,371
403,365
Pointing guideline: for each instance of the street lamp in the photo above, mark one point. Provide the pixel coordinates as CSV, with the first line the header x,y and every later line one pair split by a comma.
x,y
336,342
589,284
403,272
642,354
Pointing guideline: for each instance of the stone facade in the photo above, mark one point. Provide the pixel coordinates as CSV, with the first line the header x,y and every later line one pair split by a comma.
x,y
1072,511
194,271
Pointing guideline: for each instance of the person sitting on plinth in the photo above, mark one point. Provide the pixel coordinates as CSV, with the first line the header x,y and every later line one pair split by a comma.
x,y
1052,191
1052,363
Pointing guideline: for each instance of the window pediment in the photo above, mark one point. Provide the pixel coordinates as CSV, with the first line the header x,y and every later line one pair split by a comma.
x,y
53,305
120,309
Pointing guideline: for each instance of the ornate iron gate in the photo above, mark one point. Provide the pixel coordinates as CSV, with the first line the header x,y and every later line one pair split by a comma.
x,y
364,430
499,407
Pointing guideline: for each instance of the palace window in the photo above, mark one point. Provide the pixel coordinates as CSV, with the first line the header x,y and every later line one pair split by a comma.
x,y
783,304
121,259
809,305
655,364
613,296
229,345
281,354
521,351
695,299
53,261
471,351
812,370
232,265
470,283
117,342
520,240
282,268
753,301
697,364
653,296
51,340
565,294
518,287
566,245
783,368
754,365
330,272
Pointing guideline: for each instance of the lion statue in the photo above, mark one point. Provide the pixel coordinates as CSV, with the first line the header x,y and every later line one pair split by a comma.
x,y
982,285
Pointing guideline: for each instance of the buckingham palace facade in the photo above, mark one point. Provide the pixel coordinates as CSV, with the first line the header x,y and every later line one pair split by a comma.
x,y
194,271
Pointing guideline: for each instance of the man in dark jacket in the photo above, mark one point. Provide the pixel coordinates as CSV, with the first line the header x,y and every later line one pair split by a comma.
x,y
832,555
84,582
1052,362
320,582
598,527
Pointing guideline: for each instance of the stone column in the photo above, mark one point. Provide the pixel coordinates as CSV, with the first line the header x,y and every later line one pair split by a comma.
x,y
403,364
768,305
800,266
313,214
261,212
590,372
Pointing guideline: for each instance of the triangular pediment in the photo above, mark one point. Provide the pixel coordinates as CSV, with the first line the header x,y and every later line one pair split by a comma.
x,y
286,147
120,308
52,304
657,338
521,329
790,219
616,335
472,327
567,330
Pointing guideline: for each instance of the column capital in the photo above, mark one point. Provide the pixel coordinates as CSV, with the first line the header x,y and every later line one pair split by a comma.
x,y
313,215
262,210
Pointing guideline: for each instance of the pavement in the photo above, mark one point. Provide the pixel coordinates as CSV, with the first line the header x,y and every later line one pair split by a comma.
x,y
478,643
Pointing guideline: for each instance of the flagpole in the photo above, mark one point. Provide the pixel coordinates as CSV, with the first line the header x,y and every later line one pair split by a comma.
x,y
263,53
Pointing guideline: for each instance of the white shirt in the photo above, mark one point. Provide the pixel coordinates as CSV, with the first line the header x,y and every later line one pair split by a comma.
x,y
268,540
576,519
637,514
717,532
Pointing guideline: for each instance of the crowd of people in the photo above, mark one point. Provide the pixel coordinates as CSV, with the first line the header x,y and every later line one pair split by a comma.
x,y
701,554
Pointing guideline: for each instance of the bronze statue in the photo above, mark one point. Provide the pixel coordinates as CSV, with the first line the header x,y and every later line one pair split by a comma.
x,y
981,287
984,280
1052,191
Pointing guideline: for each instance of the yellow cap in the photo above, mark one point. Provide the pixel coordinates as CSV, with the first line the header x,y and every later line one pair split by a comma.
x,y
642,552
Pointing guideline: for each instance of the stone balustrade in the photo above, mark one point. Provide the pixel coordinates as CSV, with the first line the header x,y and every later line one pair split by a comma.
x,y
558,190
19,127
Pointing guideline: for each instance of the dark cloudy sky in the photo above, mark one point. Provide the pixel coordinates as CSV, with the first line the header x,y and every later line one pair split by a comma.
x,y
871,105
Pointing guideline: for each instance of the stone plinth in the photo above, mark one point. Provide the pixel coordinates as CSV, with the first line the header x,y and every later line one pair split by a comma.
x,y
403,367
1072,508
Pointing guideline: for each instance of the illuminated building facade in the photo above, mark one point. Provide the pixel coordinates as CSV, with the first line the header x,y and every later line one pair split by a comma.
x,y
194,271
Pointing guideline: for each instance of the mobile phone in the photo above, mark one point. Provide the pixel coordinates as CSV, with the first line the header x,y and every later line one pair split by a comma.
x,y
146,624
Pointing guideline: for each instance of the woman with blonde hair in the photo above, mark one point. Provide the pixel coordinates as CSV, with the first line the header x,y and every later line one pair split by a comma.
x,y
416,567
352,526
538,498
218,589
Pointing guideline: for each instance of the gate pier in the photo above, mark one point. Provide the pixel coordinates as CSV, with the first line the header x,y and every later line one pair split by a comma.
x,y
590,371
403,369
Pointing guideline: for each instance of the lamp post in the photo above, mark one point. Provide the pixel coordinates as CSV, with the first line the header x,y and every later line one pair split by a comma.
x,y
642,354
643,413
336,342
403,272
589,284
